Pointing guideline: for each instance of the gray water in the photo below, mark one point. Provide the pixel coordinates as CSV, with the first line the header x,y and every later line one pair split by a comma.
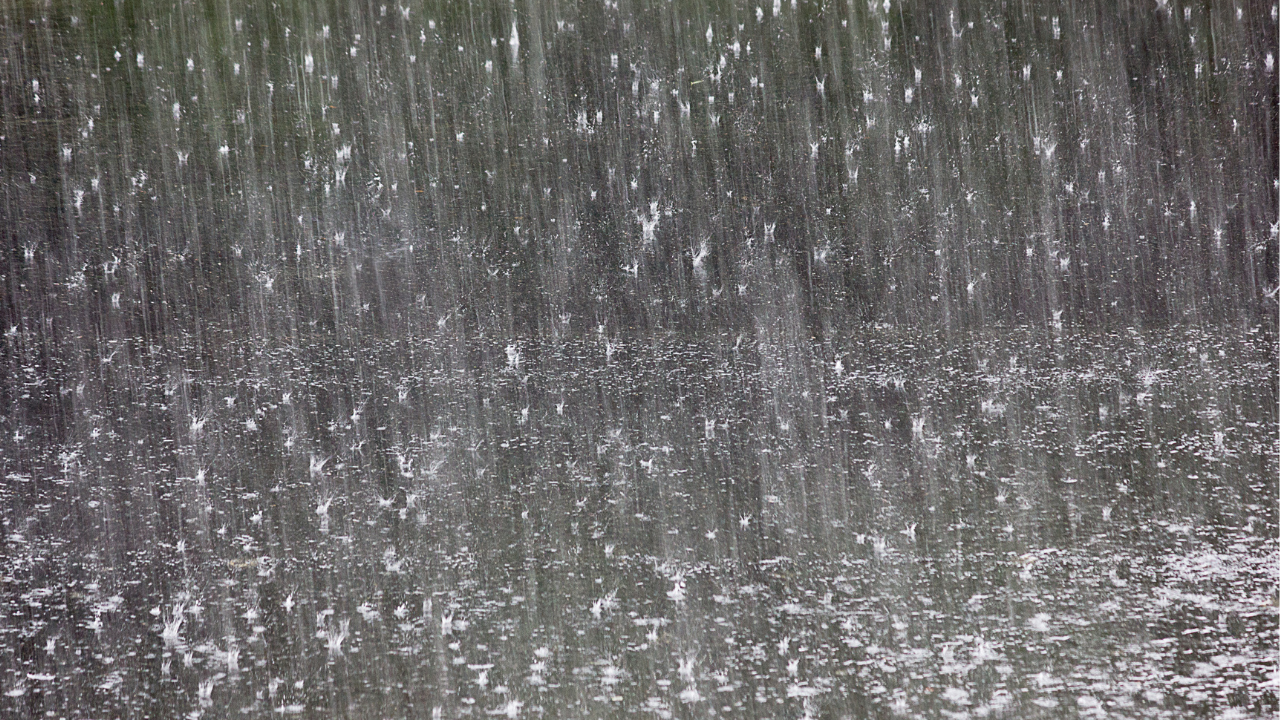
x,y
863,360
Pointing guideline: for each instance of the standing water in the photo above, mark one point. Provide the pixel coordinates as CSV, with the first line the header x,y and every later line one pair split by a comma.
x,y
624,359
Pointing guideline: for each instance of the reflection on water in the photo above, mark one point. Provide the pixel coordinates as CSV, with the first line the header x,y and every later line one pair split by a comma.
x,y
1014,525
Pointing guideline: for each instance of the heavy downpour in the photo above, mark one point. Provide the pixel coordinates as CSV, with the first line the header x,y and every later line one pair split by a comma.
x,y
787,359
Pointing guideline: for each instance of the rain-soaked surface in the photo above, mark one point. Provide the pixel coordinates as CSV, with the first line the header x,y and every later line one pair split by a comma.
x,y
611,359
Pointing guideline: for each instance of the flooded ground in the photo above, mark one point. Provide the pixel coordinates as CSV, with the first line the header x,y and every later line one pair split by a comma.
x,y
1009,526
